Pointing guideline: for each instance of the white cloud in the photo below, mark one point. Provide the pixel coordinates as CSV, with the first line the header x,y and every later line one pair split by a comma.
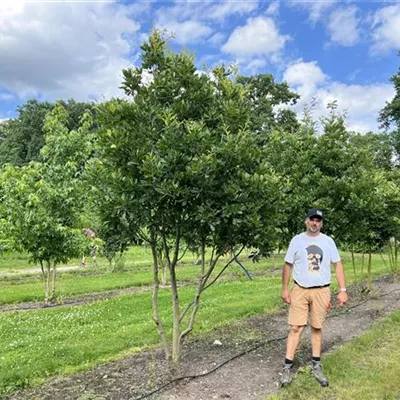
x,y
228,7
190,21
362,102
57,50
187,31
216,39
205,10
353,74
343,26
386,30
273,8
6,97
304,74
316,8
256,64
259,36
253,66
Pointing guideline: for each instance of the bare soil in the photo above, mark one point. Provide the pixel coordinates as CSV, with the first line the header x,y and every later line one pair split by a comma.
x,y
245,365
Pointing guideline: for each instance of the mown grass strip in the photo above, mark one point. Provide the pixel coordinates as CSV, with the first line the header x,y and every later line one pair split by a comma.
x,y
71,284
11,262
367,368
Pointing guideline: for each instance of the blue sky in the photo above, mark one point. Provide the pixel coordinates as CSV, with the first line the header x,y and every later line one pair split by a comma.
x,y
326,50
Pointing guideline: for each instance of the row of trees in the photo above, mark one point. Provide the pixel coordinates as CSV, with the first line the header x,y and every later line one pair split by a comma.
x,y
193,160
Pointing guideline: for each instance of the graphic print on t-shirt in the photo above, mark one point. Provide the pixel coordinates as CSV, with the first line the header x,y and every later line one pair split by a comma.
x,y
315,256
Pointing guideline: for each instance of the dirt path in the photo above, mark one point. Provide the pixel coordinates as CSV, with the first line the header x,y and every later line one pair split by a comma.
x,y
255,348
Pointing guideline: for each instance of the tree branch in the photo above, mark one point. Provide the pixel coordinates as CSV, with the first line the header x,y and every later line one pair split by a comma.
x,y
180,258
223,269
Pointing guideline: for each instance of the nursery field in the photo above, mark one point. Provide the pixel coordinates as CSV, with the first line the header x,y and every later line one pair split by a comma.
x,y
40,343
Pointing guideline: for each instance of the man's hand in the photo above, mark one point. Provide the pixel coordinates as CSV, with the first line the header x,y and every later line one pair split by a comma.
x,y
285,296
342,298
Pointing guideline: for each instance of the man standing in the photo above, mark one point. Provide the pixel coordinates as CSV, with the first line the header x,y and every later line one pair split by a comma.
x,y
310,255
92,248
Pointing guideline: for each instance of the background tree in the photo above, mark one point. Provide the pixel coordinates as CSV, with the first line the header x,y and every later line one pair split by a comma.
x,y
22,138
390,115
293,155
356,188
267,99
42,203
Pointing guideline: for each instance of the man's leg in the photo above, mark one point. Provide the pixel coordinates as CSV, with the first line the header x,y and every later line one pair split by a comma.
x,y
293,341
291,347
319,305
297,319
316,342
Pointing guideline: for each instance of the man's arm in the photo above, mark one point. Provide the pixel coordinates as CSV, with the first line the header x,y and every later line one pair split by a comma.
x,y
341,280
287,268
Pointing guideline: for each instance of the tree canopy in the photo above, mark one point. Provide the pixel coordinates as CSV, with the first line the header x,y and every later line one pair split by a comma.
x,y
22,138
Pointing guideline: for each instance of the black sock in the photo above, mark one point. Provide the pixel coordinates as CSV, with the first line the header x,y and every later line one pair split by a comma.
x,y
288,362
316,359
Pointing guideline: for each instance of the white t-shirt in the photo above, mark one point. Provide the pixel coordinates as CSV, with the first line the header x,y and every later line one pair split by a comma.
x,y
311,257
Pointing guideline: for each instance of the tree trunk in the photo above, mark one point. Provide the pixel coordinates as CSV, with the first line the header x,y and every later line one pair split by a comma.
x,y
362,265
156,287
176,328
44,277
161,262
353,262
393,255
53,283
48,279
369,281
201,287
176,324
203,257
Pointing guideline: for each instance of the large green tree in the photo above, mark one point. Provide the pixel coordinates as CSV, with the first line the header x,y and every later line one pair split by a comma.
x,y
181,165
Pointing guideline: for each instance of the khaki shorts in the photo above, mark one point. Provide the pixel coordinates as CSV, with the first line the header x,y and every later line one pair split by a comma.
x,y
314,302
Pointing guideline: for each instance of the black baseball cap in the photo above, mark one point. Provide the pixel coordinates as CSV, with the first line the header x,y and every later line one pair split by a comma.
x,y
315,212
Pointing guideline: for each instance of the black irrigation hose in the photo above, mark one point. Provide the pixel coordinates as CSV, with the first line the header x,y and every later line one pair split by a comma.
x,y
367,300
190,377
263,343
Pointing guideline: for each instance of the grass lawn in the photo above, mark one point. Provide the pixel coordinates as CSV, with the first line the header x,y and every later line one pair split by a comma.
x,y
17,262
366,368
22,288
43,343
73,283
39,344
